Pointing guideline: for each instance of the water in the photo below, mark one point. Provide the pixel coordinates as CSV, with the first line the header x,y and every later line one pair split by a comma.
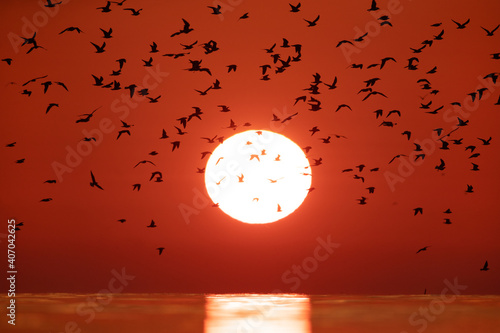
x,y
263,313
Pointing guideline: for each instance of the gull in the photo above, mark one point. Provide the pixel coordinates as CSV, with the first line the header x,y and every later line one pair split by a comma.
x,y
152,224
240,178
461,25
94,182
313,22
252,156
160,250
210,140
51,4
106,34
134,12
106,8
490,33
314,130
185,30
485,267
99,49
144,162
294,9
215,10
423,249
373,6
485,142
122,132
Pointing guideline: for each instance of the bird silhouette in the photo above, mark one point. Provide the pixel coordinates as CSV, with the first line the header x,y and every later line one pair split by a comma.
x,y
215,10
373,6
313,22
99,49
152,224
94,183
423,249
490,33
134,11
461,25
418,210
86,116
160,250
105,9
485,266
106,33
294,8
185,29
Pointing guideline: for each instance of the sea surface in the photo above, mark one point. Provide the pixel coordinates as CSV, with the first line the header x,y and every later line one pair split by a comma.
x,y
246,313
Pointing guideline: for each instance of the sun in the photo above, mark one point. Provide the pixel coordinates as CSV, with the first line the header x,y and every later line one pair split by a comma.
x,y
258,176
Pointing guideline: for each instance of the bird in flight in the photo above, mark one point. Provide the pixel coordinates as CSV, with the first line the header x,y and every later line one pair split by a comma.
x,y
94,182
99,49
485,267
373,6
418,210
86,116
152,224
134,11
490,33
313,22
71,29
105,9
215,10
160,250
423,249
144,162
294,9
185,30
461,25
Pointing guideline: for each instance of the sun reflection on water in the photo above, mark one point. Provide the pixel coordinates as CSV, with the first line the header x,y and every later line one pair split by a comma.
x,y
257,313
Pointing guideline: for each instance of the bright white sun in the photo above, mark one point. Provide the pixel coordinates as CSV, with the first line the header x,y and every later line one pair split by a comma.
x,y
258,176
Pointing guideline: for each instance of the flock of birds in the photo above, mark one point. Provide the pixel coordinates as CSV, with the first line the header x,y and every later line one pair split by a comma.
x,y
282,56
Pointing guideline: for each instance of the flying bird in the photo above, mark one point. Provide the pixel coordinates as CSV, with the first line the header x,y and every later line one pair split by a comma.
x,y
294,9
490,33
423,249
99,49
185,29
94,183
134,11
313,22
461,25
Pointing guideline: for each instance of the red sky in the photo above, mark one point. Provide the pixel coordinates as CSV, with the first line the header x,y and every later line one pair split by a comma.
x,y
73,242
